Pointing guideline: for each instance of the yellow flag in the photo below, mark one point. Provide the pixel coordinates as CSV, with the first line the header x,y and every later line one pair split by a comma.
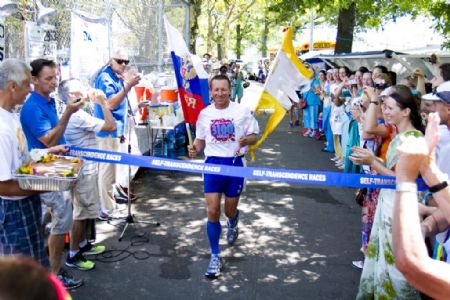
x,y
287,74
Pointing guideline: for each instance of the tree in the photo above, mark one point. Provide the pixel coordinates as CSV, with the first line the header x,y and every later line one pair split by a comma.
x,y
354,15
195,10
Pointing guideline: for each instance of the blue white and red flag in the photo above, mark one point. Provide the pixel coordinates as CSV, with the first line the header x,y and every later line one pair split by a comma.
x,y
192,79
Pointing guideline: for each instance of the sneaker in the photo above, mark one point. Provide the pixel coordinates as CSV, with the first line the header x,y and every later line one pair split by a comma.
x,y
104,216
307,133
297,123
232,235
291,124
68,280
123,192
214,267
90,249
233,230
335,158
79,262
358,264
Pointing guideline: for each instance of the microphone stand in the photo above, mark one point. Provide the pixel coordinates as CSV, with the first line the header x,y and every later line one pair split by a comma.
x,y
130,219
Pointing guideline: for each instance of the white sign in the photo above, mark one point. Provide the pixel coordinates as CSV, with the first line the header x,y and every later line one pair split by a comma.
x,y
2,39
40,42
89,45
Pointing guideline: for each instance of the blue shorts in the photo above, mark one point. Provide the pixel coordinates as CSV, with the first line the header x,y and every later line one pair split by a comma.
x,y
228,185
20,222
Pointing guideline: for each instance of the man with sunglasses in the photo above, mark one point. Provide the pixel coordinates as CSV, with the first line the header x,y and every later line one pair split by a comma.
x,y
112,82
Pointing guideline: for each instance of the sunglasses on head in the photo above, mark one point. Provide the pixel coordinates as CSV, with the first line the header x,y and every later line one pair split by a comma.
x,y
122,61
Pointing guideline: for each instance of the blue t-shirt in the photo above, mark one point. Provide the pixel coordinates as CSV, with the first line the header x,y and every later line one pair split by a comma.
x,y
110,84
38,116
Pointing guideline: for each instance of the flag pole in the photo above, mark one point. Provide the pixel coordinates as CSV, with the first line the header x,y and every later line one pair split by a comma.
x,y
188,129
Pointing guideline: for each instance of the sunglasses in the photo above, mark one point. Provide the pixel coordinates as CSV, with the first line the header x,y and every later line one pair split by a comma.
x,y
379,86
122,61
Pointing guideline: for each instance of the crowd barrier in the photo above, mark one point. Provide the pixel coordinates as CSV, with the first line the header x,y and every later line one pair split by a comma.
x,y
286,175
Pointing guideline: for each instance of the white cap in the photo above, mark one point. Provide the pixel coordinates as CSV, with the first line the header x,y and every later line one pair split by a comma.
x,y
442,93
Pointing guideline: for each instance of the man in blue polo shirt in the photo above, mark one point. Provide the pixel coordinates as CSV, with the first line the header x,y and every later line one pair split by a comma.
x,y
112,82
43,129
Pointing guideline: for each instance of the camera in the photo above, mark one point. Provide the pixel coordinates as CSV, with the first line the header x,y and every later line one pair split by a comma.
x,y
433,59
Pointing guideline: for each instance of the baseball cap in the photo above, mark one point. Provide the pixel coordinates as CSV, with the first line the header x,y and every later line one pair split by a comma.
x,y
442,93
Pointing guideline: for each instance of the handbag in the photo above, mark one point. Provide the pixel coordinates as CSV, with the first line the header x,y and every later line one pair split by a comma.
x,y
302,104
246,84
360,195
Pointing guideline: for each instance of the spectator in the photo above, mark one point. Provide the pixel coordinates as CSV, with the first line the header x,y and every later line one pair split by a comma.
x,y
379,276
116,87
327,106
311,111
23,279
378,70
81,132
20,210
411,257
238,89
43,129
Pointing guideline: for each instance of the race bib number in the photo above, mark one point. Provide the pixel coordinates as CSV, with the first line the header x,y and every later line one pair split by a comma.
x,y
222,130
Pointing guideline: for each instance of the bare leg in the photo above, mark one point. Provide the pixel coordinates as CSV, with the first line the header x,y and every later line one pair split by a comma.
x,y
77,234
231,206
213,206
55,248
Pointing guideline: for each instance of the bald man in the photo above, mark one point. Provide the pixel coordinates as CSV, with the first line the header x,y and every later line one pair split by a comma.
x,y
112,82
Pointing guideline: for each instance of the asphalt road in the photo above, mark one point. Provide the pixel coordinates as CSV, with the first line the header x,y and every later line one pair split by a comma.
x,y
296,241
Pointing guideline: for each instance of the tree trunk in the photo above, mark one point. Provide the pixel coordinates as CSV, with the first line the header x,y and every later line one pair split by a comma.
x,y
264,38
225,38
238,41
195,9
346,26
210,35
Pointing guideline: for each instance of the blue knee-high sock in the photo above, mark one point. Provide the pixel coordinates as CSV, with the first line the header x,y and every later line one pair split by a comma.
x,y
232,222
214,229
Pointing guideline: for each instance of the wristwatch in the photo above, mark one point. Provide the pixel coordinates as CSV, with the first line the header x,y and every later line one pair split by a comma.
x,y
438,187
374,102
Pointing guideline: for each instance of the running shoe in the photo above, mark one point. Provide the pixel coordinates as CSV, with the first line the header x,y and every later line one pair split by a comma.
x,y
68,280
307,133
232,235
104,216
90,249
123,192
233,230
214,267
79,262
358,264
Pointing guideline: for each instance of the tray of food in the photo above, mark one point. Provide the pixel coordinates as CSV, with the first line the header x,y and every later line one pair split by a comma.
x,y
48,172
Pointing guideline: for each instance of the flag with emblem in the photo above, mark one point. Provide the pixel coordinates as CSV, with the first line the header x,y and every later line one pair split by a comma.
x,y
192,79
287,74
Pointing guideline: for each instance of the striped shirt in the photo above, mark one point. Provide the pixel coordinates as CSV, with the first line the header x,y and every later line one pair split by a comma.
x,y
80,132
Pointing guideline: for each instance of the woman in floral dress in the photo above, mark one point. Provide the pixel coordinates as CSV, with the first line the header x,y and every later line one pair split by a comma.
x,y
380,278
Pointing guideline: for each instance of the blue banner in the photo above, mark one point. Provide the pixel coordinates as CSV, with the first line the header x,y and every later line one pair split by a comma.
x,y
285,175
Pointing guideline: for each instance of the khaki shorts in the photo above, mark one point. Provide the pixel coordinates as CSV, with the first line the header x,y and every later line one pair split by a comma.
x,y
60,208
86,202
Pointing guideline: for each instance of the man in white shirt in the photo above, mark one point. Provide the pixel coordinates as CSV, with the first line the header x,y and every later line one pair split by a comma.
x,y
20,210
224,130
